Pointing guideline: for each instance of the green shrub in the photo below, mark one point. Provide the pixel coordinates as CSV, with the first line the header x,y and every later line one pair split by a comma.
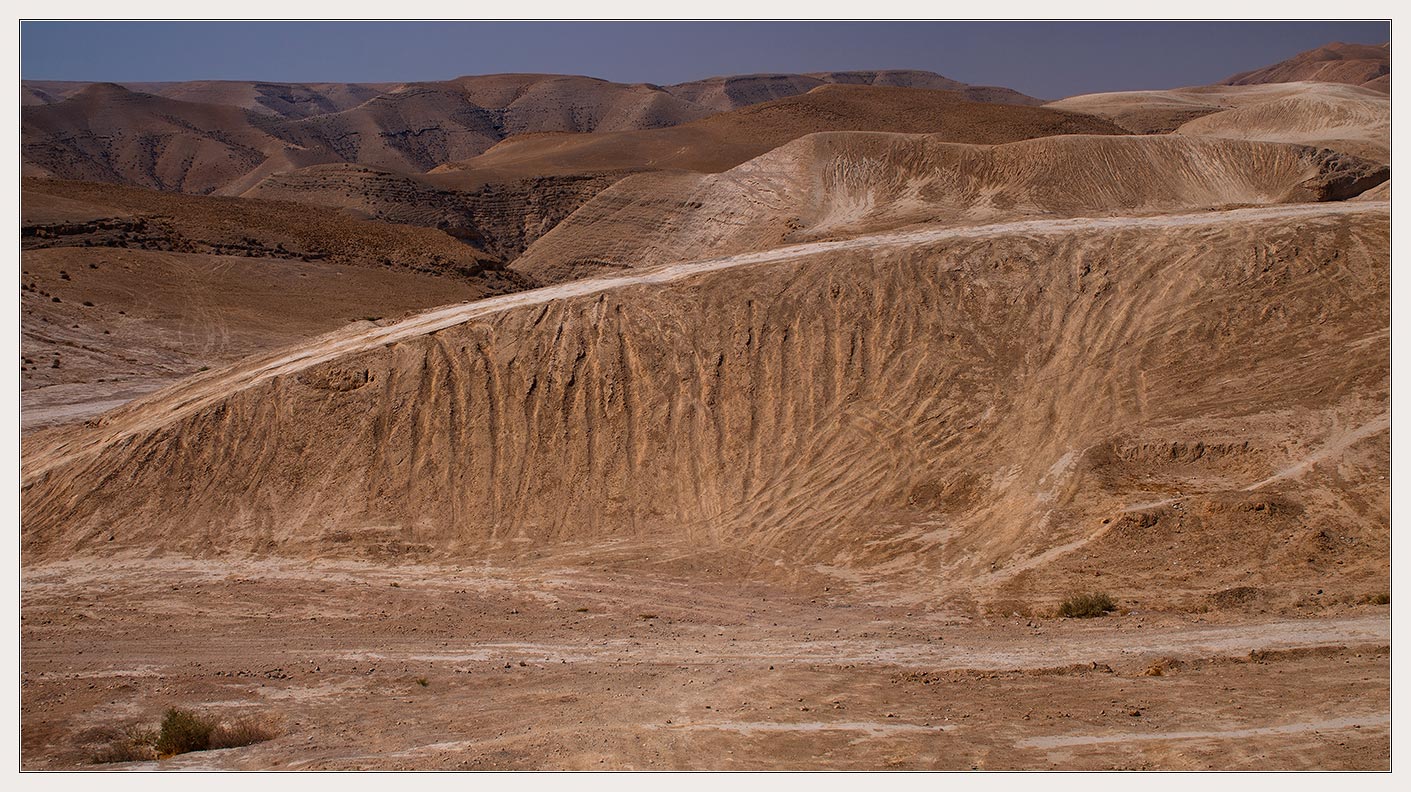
x,y
1087,606
184,731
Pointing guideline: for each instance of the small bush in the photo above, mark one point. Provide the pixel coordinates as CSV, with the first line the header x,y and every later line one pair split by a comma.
x,y
242,732
132,744
1087,606
422,681
184,731
1383,598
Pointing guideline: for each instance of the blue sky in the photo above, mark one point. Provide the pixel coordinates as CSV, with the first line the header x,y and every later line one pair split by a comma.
x,y
1045,59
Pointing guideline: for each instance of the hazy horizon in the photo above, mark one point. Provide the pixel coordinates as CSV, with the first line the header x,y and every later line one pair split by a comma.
x,y
1044,59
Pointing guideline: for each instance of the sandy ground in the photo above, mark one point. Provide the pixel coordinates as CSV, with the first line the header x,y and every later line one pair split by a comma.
x,y
557,666
601,654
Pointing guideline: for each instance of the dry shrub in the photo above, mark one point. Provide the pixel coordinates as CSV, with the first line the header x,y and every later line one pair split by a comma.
x,y
244,731
1235,597
1087,606
183,731
132,744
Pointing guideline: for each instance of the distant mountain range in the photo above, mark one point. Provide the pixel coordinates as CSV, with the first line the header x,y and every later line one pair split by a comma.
x,y
224,137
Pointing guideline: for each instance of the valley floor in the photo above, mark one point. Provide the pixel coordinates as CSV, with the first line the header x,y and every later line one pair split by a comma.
x,y
551,664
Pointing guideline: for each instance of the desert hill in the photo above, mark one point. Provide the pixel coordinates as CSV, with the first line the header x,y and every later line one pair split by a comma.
x,y
733,92
832,184
285,100
89,214
1339,117
500,216
1346,118
1367,65
125,290
984,413
558,103
848,420
506,198
723,141
218,136
107,133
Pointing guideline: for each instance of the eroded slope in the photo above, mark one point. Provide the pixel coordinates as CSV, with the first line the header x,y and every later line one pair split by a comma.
x,y
1181,404
836,184
727,139
1351,119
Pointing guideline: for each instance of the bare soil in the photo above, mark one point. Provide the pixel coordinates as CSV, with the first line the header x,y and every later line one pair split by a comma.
x,y
789,466
574,664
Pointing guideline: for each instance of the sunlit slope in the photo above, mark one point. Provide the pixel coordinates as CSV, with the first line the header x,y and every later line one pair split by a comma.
x,y
1179,404
846,183
1346,118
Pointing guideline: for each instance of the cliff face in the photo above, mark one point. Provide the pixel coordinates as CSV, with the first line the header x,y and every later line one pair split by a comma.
x,y
500,219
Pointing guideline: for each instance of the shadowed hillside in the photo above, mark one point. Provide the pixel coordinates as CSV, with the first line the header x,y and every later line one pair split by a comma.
x,y
124,290
506,198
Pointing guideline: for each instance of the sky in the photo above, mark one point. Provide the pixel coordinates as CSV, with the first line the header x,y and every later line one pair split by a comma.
x,y
1044,59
